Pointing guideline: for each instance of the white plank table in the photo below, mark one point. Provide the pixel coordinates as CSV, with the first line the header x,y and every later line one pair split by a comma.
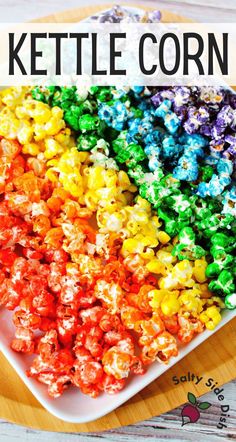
x,y
167,426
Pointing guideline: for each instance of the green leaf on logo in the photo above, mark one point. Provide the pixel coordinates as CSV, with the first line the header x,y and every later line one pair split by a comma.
x,y
204,405
192,398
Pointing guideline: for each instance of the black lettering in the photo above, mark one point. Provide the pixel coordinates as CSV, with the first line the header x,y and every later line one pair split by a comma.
x,y
175,380
224,408
222,60
196,56
13,53
141,54
79,38
58,37
95,70
209,382
162,53
114,54
36,54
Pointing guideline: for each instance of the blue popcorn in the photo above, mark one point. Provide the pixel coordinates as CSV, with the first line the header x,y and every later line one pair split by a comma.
x,y
214,187
193,140
203,190
153,137
224,167
137,89
134,126
187,168
171,149
172,122
148,114
170,119
163,109
115,115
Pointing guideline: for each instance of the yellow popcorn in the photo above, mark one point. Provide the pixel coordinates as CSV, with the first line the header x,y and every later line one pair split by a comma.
x,y
13,96
199,270
166,299
211,317
170,304
156,297
183,272
148,255
31,149
96,178
163,237
156,266
132,245
166,257
25,133
52,148
190,301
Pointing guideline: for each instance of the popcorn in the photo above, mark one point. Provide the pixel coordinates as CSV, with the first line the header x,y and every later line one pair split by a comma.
x,y
124,220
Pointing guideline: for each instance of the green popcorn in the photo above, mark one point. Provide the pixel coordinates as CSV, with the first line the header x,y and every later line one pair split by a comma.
x,y
102,93
170,182
172,225
87,141
151,193
88,123
224,284
190,252
186,247
64,97
88,107
206,173
120,142
122,156
187,236
209,223
38,94
43,94
138,174
137,113
230,301
220,240
137,154
222,260
200,208
180,204
72,116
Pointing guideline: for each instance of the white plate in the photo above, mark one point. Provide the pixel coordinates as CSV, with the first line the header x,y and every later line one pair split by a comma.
x,y
74,406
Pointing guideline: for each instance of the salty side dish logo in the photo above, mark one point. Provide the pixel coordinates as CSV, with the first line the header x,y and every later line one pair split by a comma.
x,y
191,411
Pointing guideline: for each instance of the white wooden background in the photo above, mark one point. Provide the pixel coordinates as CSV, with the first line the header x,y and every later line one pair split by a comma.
x,y
167,426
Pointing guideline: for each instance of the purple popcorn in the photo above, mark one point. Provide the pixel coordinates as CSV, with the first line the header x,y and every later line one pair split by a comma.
x,y
206,129
209,111
231,140
217,131
217,145
211,95
196,117
225,117
162,95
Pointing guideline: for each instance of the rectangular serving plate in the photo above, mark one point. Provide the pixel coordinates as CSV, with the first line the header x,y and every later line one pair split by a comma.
x,y
73,406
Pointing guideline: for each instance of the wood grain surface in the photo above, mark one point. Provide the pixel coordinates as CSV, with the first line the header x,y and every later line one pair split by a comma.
x,y
166,427
215,358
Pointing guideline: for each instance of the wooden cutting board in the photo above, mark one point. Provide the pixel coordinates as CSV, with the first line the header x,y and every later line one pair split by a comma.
x,y
215,358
